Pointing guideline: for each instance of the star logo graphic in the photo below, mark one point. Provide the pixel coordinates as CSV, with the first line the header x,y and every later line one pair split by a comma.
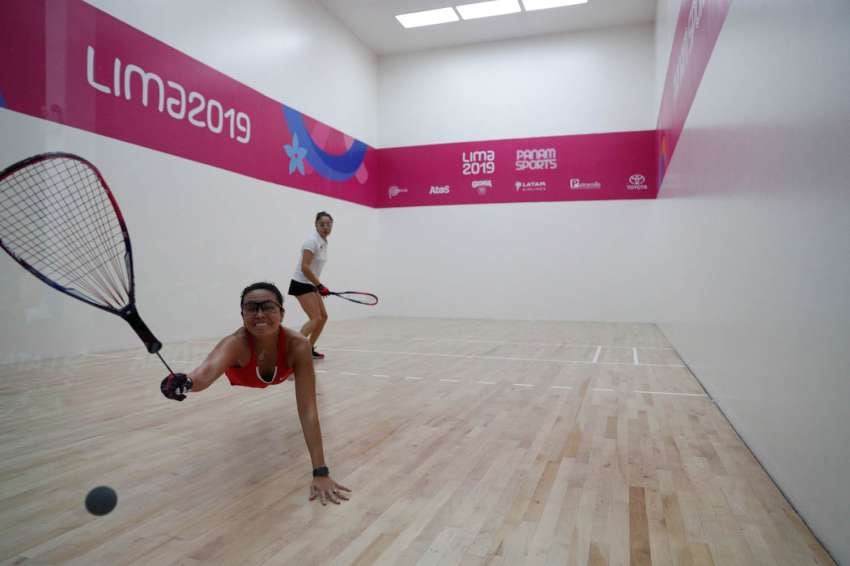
x,y
296,155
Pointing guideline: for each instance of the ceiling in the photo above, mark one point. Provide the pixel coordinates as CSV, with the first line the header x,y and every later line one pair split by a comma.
x,y
374,23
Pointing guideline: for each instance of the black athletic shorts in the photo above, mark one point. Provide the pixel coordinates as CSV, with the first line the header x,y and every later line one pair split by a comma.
x,y
297,288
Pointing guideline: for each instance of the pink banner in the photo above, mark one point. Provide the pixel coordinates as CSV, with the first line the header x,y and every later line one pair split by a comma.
x,y
696,33
78,66
617,165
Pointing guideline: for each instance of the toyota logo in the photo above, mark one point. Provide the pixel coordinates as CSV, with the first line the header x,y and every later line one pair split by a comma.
x,y
637,180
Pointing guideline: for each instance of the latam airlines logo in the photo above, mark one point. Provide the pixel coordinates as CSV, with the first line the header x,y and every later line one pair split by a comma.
x,y
637,182
440,190
536,159
394,191
579,185
530,186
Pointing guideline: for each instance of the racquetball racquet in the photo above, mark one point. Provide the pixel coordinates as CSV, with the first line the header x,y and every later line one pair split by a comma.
x,y
360,297
61,222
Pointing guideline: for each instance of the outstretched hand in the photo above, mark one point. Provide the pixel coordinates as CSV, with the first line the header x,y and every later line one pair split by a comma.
x,y
328,490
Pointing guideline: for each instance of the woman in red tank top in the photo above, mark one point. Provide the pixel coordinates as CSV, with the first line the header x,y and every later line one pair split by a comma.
x,y
263,353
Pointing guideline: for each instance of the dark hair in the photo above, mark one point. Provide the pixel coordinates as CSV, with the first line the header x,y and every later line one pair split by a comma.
x,y
261,285
323,213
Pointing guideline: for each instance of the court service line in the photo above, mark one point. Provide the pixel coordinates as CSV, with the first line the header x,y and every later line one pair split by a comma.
x,y
530,385
635,356
596,355
566,344
671,393
509,358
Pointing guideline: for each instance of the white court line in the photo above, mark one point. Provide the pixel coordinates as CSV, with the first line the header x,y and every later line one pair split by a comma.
x,y
321,371
469,356
671,393
529,385
596,356
635,356
567,344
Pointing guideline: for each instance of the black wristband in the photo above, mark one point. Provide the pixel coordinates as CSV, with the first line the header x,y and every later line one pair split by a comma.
x,y
321,472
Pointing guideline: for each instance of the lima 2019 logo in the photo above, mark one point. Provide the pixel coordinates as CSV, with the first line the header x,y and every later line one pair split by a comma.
x,y
316,146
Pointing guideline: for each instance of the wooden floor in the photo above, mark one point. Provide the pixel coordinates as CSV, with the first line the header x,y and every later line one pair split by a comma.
x,y
465,442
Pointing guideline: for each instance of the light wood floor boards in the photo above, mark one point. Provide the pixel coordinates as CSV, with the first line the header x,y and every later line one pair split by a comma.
x,y
465,442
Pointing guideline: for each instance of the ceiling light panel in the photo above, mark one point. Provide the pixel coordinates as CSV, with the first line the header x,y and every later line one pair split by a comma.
x,y
488,9
427,18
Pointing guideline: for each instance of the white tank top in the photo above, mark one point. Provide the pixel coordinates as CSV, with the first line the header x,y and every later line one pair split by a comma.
x,y
319,246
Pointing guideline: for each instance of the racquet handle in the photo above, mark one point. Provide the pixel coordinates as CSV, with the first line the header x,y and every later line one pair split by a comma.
x,y
131,315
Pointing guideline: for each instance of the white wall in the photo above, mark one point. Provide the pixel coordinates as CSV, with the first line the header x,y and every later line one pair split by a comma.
x,y
588,82
556,261
751,244
200,234
293,51
534,261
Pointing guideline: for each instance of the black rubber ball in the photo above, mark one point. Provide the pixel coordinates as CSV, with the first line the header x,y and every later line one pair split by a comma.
x,y
101,500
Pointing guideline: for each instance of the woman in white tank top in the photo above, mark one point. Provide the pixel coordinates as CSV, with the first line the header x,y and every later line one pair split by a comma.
x,y
306,286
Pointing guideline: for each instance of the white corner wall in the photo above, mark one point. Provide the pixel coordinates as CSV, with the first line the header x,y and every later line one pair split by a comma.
x,y
200,234
575,83
751,245
552,261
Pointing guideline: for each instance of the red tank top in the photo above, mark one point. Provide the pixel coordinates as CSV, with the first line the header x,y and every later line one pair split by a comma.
x,y
249,375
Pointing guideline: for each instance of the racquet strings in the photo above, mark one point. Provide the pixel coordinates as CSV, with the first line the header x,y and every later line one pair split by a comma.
x,y
58,218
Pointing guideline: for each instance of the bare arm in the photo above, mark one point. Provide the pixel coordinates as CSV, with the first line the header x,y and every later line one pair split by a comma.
x,y
305,397
306,260
323,488
224,355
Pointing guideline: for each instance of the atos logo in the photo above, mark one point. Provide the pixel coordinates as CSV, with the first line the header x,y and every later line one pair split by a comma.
x,y
440,190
